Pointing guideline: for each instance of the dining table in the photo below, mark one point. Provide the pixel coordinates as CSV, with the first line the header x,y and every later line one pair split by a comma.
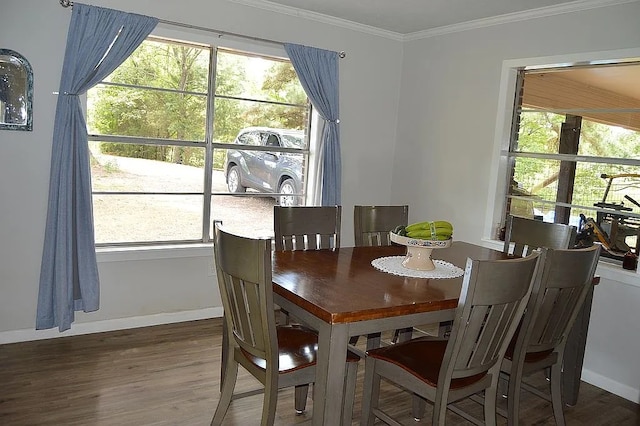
x,y
339,293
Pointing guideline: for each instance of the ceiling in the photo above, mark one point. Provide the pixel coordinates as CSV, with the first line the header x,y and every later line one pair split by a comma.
x,y
413,19
405,17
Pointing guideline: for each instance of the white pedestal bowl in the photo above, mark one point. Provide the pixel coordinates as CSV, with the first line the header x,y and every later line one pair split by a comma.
x,y
418,255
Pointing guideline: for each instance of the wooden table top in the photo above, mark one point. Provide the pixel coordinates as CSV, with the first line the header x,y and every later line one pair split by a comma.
x,y
341,286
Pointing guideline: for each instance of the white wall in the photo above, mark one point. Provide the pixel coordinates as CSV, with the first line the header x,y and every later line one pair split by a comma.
x,y
449,137
418,126
157,286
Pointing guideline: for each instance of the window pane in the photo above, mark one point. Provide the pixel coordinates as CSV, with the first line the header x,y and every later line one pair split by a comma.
x,y
138,112
251,216
602,140
167,65
259,78
539,132
279,174
239,114
145,218
139,168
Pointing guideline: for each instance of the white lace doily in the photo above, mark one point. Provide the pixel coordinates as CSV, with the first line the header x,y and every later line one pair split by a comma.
x,y
393,265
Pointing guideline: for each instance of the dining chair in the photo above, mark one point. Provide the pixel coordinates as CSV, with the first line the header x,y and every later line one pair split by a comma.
x,y
539,343
371,227
307,227
493,297
371,224
277,356
526,235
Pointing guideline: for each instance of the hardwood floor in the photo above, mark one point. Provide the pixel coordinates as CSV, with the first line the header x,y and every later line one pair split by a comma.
x,y
169,375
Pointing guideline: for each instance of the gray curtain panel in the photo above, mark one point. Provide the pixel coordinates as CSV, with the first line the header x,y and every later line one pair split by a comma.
x,y
317,70
97,42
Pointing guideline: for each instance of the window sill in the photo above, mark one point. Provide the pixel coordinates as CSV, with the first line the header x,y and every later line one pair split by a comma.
x,y
124,254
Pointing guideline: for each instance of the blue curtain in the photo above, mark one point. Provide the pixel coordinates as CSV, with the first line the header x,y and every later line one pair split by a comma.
x,y
317,70
97,42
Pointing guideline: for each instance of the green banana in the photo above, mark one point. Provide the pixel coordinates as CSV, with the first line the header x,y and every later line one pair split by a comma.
x,y
426,234
428,225
430,230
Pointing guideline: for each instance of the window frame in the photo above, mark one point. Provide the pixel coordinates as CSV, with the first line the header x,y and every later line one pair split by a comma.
x,y
507,113
213,45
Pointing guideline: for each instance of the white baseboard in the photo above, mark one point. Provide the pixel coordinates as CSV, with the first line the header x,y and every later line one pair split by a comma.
x,y
15,336
617,388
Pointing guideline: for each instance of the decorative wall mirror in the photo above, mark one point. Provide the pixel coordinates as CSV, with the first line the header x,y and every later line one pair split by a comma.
x,y
16,91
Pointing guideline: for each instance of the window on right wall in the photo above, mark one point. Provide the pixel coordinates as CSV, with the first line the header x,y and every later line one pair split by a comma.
x,y
574,154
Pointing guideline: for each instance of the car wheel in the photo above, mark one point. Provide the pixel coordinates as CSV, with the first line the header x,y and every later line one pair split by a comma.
x,y
233,180
287,189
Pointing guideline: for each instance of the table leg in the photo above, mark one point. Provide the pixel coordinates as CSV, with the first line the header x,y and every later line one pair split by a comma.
x,y
574,353
330,374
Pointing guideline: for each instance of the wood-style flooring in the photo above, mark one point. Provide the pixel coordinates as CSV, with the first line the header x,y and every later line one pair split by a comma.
x,y
169,375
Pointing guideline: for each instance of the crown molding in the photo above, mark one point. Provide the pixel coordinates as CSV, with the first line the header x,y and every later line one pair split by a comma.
x,y
542,12
574,6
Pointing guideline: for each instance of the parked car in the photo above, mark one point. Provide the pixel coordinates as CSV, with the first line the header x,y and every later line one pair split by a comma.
x,y
267,171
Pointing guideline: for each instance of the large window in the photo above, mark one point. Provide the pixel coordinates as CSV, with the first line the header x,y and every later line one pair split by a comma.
x,y
574,155
182,134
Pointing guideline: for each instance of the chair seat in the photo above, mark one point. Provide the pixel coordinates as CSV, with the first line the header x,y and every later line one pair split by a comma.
x,y
423,358
297,348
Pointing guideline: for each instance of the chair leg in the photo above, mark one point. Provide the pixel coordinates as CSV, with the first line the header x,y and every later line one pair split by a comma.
x,y
301,392
439,408
230,376
418,407
371,392
490,395
513,397
270,402
349,393
556,393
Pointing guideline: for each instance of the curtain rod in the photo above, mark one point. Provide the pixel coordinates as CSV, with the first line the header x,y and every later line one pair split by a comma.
x,y
68,3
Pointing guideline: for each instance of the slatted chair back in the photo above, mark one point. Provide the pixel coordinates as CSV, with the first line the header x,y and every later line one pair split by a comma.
x,y
493,298
527,235
371,224
567,277
244,279
307,228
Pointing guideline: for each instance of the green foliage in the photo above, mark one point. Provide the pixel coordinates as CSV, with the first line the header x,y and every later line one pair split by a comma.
x,y
164,97
540,133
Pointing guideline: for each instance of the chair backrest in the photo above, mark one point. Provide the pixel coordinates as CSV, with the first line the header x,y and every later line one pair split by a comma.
x,y
371,224
493,298
307,228
566,278
244,276
530,234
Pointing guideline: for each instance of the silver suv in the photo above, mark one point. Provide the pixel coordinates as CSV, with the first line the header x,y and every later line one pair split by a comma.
x,y
267,171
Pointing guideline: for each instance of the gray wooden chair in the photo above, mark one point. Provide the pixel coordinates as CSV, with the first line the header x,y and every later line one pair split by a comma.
x,y
371,224
277,356
556,299
526,235
307,228
493,297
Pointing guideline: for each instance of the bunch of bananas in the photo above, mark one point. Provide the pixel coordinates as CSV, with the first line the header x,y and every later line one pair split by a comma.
x,y
440,230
